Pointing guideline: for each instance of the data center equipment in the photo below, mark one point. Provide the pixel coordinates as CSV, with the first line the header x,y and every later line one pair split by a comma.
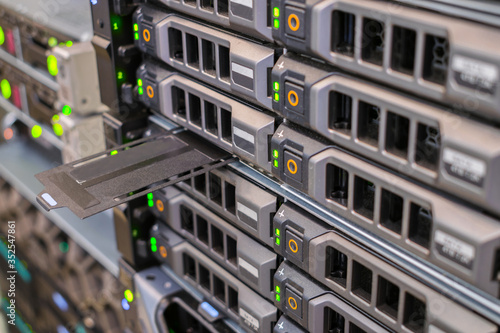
x,y
251,166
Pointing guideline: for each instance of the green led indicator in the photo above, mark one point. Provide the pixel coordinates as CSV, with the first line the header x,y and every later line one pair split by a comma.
x,y
116,22
141,91
150,196
278,242
52,65
275,163
154,248
276,97
139,82
2,36
63,247
276,86
276,24
58,129
153,241
66,110
55,118
52,41
6,89
36,131
277,232
113,152
136,27
275,153
69,43
129,295
135,232
278,298
151,203
276,12
277,288
136,36
120,75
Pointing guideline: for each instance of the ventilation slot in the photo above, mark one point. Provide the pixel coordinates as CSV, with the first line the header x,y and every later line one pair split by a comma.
x,y
192,52
231,250
428,146
189,267
211,124
391,215
339,112
337,184
336,266
224,71
364,197
226,126
215,189
200,183
368,123
437,51
222,7
353,328
420,225
361,281
176,46
202,230
334,322
388,298
232,299
207,5
403,50
217,242
204,277
194,110
372,49
179,102
396,141
208,49
219,289
414,314
343,33
187,219
230,197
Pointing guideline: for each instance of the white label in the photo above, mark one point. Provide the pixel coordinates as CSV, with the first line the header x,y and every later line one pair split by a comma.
x,y
464,166
475,68
455,249
248,267
245,71
48,199
247,211
249,319
246,3
244,135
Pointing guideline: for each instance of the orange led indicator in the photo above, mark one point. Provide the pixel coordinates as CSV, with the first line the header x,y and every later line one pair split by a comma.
x,y
292,244
8,133
293,98
146,34
159,205
150,92
293,22
293,303
163,251
292,166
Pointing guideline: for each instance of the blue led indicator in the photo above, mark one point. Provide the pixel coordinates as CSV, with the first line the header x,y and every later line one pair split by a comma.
x,y
60,301
94,2
125,305
62,329
210,309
